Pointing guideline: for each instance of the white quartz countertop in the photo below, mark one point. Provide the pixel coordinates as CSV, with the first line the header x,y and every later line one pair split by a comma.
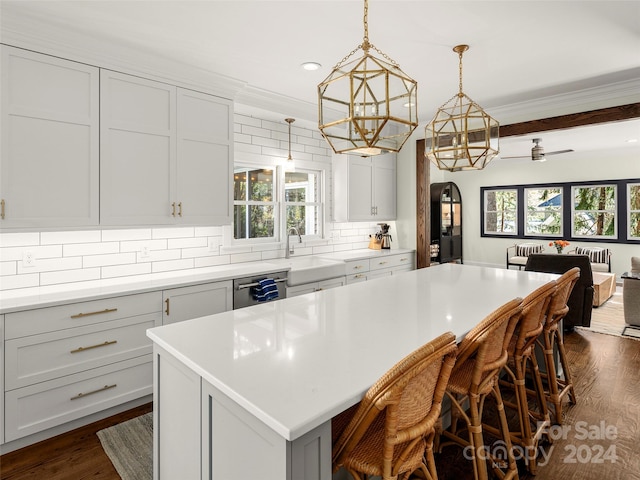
x,y
296,363
47,296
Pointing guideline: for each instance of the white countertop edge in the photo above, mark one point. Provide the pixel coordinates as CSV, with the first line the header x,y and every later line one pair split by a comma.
x,y
278,427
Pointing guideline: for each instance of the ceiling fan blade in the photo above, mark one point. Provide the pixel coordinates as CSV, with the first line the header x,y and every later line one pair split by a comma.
x,y
519,156
559,151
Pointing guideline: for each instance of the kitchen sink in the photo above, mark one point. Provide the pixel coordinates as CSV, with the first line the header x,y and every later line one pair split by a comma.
x,y
309,269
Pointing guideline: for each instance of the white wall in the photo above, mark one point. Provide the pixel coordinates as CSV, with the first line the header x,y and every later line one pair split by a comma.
x,y
564,168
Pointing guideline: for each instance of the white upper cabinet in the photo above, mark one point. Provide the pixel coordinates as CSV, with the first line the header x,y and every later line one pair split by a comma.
x,y
364,188
50,132
166,154
205,158
137,150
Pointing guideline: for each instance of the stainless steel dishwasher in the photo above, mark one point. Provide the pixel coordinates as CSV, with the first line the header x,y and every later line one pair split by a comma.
x,y
243,288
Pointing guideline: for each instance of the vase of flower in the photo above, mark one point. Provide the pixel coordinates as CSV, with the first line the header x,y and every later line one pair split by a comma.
x,y
559,245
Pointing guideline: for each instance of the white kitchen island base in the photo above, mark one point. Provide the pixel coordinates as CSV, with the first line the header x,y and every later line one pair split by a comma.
x,y
199,432
250,393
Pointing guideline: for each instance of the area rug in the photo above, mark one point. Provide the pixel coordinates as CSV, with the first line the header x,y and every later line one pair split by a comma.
x,y
129,446
608,318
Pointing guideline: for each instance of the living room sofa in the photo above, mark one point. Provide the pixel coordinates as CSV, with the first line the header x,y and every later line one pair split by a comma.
x,y
581,299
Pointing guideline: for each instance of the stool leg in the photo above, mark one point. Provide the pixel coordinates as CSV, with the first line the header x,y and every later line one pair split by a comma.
x,y
552,376
568,382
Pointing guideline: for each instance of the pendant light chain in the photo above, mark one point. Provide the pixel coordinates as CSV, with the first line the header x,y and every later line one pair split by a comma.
x,y
460,70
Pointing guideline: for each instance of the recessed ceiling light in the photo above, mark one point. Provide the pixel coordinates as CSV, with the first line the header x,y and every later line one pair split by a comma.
x,y
632,140
311,66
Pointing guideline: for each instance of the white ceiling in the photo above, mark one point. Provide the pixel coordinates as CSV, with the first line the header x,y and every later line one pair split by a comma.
x,y
521,52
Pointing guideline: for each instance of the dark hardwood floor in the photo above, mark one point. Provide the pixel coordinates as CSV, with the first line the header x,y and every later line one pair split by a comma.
x,y
607,377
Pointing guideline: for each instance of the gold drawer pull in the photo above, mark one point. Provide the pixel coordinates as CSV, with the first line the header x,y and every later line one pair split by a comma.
x,y
2,209
167,309
106,310
82,395
359,275
357,267
382,263
180,209
173,209
404,259
82,349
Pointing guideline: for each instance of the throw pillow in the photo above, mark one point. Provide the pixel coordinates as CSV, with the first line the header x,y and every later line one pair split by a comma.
x,y
596,254
635,264
526,249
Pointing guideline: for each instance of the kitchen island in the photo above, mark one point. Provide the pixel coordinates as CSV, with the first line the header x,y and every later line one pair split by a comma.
x,y
251,393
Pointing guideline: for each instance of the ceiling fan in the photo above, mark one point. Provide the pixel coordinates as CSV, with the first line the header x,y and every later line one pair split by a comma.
x,y
537,152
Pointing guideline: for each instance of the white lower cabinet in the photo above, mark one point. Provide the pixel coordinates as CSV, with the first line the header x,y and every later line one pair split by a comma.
x,y
185,303
315,286
379,266
65,362
1,379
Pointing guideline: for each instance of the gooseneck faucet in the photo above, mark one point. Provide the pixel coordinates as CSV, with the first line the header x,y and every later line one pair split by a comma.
x,y
289,250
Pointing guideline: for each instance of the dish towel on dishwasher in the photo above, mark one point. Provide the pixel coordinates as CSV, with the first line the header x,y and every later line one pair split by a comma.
x,y
265,290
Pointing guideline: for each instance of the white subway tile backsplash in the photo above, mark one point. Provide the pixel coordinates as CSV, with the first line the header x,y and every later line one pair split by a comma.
x,y
81,236
175,232
207,231
159,255
19,239
138,245
187,242
115,271
69,276
212,261
51,264
246,257
171,265
8,268
79,249
109,259
27,280
126,235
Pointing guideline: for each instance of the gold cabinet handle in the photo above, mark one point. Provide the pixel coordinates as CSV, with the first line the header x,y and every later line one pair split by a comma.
x,y
82,395
167,309
357,267
97,345
404,259
173,209
359,275
106,310
2,209
180,209
382,263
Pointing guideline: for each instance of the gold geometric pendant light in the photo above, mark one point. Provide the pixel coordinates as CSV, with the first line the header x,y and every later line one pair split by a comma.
x,y
367,105
461,136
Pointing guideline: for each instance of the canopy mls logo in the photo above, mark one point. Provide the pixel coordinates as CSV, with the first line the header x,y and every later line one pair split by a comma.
x,y
587,444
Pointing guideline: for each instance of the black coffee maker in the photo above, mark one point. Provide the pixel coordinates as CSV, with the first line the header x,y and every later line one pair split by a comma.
x,y
384,236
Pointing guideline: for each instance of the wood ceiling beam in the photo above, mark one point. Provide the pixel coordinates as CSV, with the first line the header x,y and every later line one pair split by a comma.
x,y
603,115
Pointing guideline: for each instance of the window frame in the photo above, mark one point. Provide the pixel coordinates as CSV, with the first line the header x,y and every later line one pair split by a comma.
x,y
319,203
248,203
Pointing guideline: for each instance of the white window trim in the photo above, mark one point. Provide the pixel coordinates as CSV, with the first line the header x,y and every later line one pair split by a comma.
x,y
526,214
505,234
630,211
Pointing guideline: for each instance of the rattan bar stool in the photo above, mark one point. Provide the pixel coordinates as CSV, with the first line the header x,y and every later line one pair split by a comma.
x,y
481,356
533,420
390,432
558,386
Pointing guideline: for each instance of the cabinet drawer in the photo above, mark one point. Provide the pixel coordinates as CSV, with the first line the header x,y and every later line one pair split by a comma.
x,y
391,261
354,267
48,404
357,277
50,319
38,358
